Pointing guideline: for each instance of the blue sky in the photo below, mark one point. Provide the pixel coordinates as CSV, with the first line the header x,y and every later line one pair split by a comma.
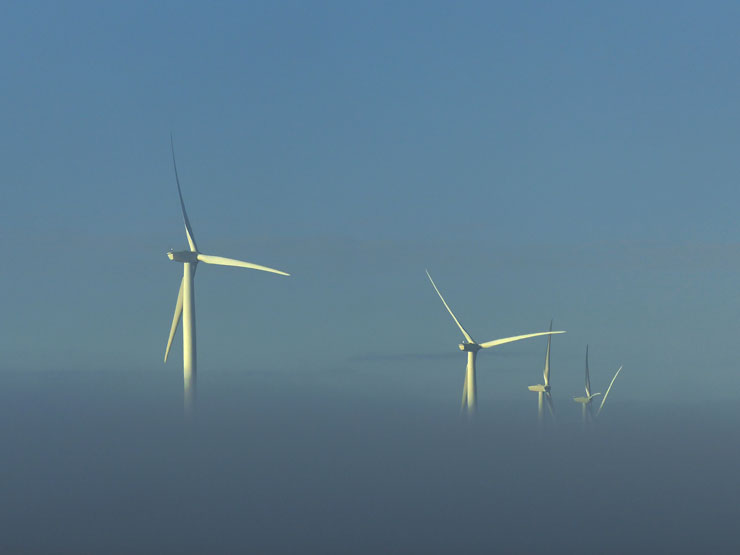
x,y
573,162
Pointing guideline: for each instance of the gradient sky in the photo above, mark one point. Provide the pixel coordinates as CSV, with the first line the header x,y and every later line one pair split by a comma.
x,y
572,162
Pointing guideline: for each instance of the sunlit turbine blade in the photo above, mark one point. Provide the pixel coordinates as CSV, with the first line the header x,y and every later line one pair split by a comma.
x,y
175,321
516,338
188,228
221,261
601,406
547,359
459,325
588,378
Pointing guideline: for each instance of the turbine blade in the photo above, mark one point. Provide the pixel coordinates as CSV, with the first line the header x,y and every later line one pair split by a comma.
x,y
459,325
588,377
495,342
188,228
221,261
175,320
547,358
603,400
548,398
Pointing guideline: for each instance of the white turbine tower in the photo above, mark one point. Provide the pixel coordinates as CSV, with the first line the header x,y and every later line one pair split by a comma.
x,y
587,410
472,347
543,390
185,307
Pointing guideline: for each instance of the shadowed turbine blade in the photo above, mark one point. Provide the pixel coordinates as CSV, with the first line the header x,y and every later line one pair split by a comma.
x,y
459,325
175,320
188,228
601,406
221,261
495,342
548,398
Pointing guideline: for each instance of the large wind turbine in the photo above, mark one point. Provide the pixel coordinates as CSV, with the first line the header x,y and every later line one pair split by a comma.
x,y
587,410
543,390
472,347
185,307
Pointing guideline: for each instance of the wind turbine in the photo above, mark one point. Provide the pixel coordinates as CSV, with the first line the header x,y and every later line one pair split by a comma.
x,y
586,401
587,409
471,347
543,390
185,306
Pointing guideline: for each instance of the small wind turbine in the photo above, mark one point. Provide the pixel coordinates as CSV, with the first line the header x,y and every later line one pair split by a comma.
x,y
185,306
472,347
587,410
543,390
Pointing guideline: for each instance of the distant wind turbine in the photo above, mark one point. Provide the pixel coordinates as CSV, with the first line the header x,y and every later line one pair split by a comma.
x,y
586,401
543,390
587,409
185,306
472,347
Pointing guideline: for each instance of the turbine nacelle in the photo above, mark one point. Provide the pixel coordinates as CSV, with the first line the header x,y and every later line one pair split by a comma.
x,y
539,388
183,256
470,347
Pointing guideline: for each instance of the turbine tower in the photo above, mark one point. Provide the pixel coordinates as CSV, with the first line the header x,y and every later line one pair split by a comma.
x,y
543,390
185,306
471,347
586,408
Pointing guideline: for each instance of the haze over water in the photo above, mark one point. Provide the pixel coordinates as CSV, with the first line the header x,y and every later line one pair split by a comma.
x,y
102,464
